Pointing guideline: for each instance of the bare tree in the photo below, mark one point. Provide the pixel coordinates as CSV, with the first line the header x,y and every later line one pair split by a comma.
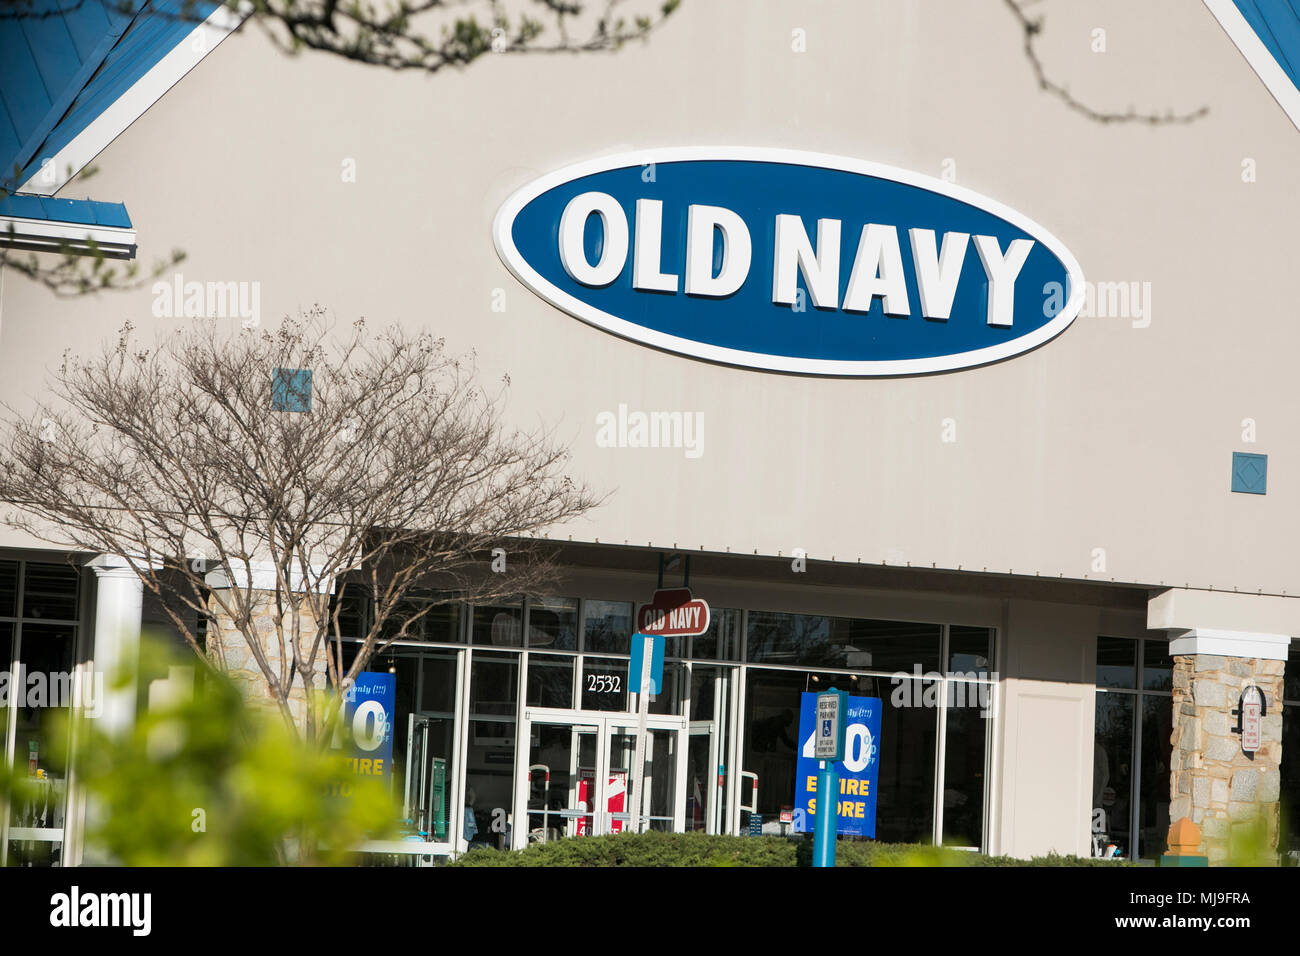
x,y
264,476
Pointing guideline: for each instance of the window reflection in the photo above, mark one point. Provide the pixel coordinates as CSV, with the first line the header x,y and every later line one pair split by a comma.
x,y
780,638
499,626
963,773
1116,662
1111,769
550,680
553,624
607,626
1132,747
905,802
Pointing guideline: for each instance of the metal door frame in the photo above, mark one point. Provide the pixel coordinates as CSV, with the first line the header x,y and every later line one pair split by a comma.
x,y
604,724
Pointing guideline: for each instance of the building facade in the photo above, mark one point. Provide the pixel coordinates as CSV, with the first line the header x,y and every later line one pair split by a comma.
x,y
1059,567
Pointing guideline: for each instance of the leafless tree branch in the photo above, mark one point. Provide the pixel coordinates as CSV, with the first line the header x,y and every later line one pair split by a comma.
x,y
1031,28
401,478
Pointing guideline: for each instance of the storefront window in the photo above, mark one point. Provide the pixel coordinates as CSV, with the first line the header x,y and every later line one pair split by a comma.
x,y
428,616
779,638
553,624
423,734
1112,765
352,608
39,658
406,701
1116,662
50,591
1157,666
490,759
704,691
905,798
672,694
708,776
550,680
607,626
906,808
568,642
722,640
8,588
771,731
1153,787
604,683
499,626
970,650
430,737
1289,835
1132,747
966,723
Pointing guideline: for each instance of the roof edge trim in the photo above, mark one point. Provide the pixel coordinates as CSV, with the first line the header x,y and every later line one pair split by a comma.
x,y
1249,44
43,235
49,174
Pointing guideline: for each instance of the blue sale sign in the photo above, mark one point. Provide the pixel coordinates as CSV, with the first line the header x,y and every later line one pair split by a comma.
x,y
369,711
858,770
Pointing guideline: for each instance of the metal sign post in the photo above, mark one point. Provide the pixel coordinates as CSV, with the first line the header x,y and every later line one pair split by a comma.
x,y
828,747
674,612
642,712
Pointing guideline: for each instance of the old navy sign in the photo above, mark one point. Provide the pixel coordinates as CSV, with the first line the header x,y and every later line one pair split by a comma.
x,y
790,261
673,612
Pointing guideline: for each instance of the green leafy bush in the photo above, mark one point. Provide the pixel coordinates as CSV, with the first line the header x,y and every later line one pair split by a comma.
x,y
698,849
208,781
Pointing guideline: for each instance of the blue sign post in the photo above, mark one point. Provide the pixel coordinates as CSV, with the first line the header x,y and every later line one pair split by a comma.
x,y
828,747
849,783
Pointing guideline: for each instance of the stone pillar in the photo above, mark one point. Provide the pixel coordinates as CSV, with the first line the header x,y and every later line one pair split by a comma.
x,y
119,594
1220,788
241,665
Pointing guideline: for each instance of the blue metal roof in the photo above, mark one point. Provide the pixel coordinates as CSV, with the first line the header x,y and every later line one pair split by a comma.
x,y
80,211
63,62
1277,24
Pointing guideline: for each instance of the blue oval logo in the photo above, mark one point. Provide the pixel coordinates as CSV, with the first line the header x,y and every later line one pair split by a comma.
x,y
789,261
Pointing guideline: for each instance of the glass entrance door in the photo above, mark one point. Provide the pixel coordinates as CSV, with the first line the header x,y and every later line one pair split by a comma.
x,y
703,760
659,788
576,779
562,758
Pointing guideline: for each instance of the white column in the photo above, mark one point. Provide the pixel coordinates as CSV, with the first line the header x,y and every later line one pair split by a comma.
x,y
118,600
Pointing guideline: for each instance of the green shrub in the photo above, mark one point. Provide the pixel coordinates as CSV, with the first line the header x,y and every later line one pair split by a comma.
x,y
698,849
647,849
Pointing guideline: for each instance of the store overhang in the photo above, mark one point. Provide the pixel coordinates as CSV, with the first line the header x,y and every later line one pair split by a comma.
x,y
69,226
776,569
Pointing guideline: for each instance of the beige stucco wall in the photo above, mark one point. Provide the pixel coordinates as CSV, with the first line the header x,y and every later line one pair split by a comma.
x,y
1110,437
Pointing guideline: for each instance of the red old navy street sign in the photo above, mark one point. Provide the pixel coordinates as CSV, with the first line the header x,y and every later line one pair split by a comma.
x,y
673,613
